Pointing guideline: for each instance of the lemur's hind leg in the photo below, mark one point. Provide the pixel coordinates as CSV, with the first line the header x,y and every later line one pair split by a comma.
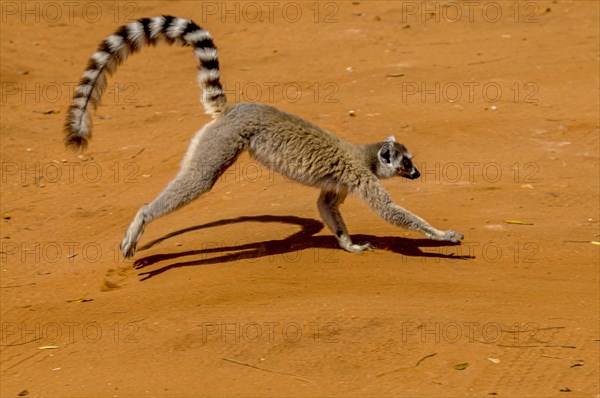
x,y
202,166
328,204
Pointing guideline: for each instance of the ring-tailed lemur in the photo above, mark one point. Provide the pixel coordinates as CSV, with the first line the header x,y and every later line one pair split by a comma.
x,y
283,142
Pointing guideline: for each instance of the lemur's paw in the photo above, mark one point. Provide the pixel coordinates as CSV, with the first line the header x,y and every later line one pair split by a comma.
x,y
128,248
452,236
354,248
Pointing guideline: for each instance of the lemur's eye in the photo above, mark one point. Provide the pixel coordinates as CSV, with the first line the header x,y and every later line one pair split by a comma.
x,y
406,162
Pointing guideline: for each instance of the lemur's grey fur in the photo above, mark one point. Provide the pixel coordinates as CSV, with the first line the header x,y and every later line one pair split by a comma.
x,y
283,142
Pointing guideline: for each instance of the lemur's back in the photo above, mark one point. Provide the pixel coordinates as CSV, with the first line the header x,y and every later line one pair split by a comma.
x,y
291,145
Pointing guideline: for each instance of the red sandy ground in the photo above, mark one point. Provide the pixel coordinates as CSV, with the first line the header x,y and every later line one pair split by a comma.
x,y
245,293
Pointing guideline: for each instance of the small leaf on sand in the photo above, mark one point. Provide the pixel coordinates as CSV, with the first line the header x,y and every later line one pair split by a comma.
x,y
6,216
461,366
595,243
83,299
518,222
50,112
48,347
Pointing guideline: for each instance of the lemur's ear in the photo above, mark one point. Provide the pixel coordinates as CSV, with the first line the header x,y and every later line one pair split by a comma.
x,y
387,151
391,138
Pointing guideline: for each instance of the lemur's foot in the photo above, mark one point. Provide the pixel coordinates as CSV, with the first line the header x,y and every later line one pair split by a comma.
x,y
128,248
134,233
452,236
354,248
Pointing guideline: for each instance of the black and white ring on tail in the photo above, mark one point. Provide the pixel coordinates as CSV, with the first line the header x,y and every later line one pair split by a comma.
x,y
286,143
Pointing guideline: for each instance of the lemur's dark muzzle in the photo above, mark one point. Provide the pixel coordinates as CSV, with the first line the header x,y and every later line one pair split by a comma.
x,y
413,175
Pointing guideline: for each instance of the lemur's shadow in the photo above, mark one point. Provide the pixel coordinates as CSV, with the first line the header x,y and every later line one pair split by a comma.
x,y
303,239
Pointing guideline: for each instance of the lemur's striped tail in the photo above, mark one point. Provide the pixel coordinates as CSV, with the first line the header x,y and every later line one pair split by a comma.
x,y
129,39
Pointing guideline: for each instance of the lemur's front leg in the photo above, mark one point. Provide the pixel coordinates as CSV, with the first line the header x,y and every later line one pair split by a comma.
x,y
328,204
380,201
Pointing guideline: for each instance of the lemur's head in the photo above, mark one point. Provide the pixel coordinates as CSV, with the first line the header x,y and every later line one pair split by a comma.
x,y
395,160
